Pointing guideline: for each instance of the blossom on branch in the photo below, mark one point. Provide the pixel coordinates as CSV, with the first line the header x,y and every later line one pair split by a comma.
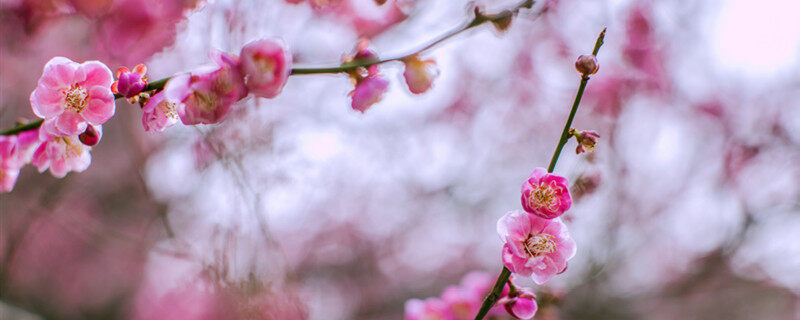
x,y
535,247
546,195
70,96
62,154
207,93
130,83
159,113
266,65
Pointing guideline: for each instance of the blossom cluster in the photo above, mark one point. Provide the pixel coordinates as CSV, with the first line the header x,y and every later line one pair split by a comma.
x,y
462,302
75,99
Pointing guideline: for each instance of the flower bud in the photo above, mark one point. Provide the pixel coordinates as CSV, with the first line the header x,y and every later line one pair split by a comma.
x,y
130,84
90,137
520,303
587,64
587,140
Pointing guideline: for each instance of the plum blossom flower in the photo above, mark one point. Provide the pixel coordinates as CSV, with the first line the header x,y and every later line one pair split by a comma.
x,y
159,113
535,247
368,91
520,303
62,154
207,93
546,195
266,65
130,83
429,309
71,96
419,74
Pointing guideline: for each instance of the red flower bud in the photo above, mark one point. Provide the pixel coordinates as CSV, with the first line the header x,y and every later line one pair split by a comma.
x,y
90,137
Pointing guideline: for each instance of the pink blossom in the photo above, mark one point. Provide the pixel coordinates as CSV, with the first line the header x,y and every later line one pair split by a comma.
x,y
159,113
419,75
9,163
546,195
520,303
429,309
62,154
266,65
15,152
130,83
368,91
535,247
208,93
70,96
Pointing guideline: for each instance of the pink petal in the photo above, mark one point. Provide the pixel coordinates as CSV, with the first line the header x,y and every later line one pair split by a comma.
x,y
98,110
97,74
70,123
46,103
524,308
514,224
40,159
58,168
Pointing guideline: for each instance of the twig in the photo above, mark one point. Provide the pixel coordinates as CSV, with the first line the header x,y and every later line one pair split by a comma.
x,y
493,295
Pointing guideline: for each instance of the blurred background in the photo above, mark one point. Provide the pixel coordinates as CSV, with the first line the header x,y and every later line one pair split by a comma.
x,y
299,207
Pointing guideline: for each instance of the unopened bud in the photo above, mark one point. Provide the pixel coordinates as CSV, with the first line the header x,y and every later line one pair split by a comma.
x,y
587,64
587,140
90,137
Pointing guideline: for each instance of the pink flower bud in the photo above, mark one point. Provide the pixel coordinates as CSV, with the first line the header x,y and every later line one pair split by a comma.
x,y
587,64
90,137
419,75
128,83
266,65
587,140
520,303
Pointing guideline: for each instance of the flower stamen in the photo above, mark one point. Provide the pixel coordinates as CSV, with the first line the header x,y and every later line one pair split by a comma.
x,y
75,98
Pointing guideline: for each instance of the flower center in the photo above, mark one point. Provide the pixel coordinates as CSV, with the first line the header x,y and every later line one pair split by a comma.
x,y
75,98
206,101
168,108
264,64
539,244
545,196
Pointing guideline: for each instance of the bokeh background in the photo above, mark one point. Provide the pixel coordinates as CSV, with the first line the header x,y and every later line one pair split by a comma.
x,y
299,207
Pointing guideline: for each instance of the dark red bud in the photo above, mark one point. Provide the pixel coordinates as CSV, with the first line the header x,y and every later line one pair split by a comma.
x,y
89,137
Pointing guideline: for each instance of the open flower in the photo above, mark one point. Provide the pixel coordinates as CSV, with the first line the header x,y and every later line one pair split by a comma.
x,y
62,154
546,195
70,96
419,74
535,247
266,65
159,113
207,93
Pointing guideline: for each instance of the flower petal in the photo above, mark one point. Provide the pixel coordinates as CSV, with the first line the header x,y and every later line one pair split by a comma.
x,y
70,123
